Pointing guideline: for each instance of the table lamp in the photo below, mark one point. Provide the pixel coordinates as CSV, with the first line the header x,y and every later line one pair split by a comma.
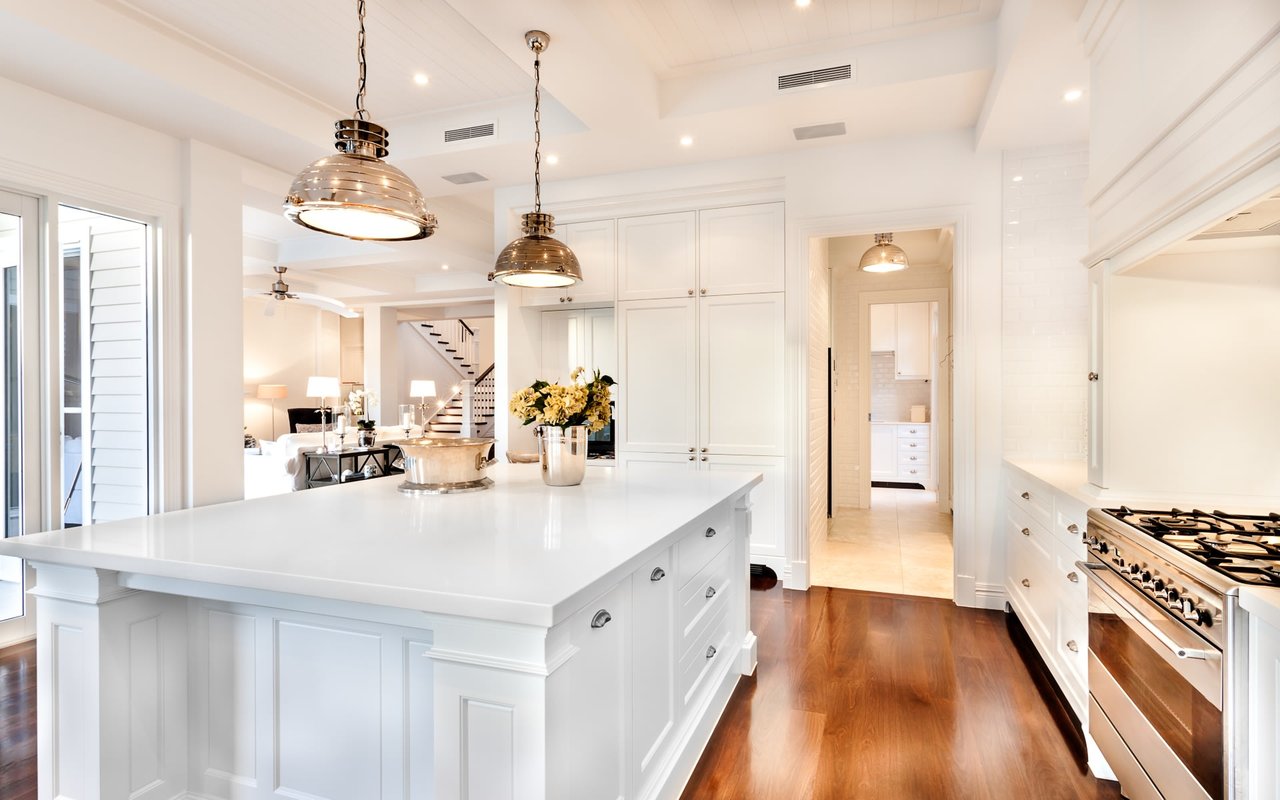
x,y
323,387
273,392
422,390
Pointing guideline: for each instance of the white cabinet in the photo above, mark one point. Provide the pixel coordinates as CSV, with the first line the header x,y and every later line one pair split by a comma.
x,y
768,512
1264,708
577,338
912,355
594,243
884,452
740,368
658,382
1097,374
884,327
657,256
653,661
741,249
901,453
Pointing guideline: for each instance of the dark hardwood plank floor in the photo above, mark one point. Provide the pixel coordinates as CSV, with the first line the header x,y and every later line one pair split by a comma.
x,y
867,695
857,695
18,722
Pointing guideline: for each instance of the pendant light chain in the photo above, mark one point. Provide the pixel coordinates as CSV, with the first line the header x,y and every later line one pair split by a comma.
x,y
537,129
361,113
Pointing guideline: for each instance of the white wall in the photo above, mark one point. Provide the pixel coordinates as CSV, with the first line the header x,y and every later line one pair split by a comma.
x,y
296,342
1046,303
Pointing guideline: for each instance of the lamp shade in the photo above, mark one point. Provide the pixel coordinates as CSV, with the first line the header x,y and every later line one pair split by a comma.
x,y
321,386
883,256
422,388
272,391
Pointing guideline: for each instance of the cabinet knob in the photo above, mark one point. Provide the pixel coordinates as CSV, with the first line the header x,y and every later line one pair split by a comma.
x,y
711,651
658,574
704,458
1093,376
912,444
702,291
601,619
1026,583
562,299
913,430
1026,531
570,299
690,449
711,592
1026,495
913,458
1073,577
710,532
1073,528
1073,647
693,458
691,293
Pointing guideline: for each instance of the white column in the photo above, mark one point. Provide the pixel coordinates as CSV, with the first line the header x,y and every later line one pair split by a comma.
x,y
382,362
468,408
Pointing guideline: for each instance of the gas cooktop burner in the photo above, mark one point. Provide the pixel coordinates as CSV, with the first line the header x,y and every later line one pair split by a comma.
x,y
1245,548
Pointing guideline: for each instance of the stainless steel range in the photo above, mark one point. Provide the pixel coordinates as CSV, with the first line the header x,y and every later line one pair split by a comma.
x,y
1167,643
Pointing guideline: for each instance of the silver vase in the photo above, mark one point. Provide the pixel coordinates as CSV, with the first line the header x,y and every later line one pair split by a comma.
x,y
563,454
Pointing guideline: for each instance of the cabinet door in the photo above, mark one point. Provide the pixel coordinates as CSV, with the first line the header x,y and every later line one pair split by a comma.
x,y
657,389
600,350
653,663
562,344
656,256
587,700
741,368
1097,375
884,327
912,356
741,249
768,510
640,463
594,244
884,452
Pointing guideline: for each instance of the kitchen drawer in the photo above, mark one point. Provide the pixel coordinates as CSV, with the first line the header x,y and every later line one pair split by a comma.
x,y
704,656
919,430
1070,523
703,596
707,536
1030,496
913,445
915,473
913,459
1031,577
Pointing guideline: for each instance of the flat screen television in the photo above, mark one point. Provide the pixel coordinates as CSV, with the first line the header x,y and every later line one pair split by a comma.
x,y
600,444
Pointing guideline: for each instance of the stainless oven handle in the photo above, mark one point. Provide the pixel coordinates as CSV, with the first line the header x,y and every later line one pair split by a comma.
x,y
1175,648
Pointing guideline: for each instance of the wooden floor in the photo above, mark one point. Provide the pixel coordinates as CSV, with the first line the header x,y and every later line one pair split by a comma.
x,y
857,695
866,695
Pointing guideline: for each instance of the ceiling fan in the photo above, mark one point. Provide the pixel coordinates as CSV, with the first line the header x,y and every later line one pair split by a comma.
x,y
280,291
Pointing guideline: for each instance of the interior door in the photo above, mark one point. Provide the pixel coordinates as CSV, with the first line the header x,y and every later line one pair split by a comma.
x,y
19,365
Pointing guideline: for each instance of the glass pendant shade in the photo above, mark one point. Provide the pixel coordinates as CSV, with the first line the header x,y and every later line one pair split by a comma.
x,y
356,194
536,260
884,256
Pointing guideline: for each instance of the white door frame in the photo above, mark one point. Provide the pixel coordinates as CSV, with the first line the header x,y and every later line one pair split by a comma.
x,y
940,425
964,394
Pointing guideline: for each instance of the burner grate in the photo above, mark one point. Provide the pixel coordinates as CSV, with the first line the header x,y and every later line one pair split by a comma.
x,y
1243,547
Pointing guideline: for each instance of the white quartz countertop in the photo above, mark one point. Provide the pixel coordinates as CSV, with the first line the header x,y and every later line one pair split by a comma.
x,y
1262,601
520,552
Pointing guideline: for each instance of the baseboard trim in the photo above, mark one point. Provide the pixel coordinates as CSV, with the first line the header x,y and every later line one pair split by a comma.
x,y
990,596
798,578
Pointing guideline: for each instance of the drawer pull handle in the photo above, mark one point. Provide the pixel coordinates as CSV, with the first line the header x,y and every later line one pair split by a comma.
x,y
1026,531
1026,495
1073,647
601,619
690,449
710,532
658,574
711,651
704,458
1073,529
912,444
702,291
693,458
913,430
711,592
691,293
1093,376
913,458
1026,583
1073,577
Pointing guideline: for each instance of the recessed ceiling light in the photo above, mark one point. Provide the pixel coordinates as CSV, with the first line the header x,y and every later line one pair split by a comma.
x,y
803,3
421,78
444,266
686,141
1072,95
1017,179
553,159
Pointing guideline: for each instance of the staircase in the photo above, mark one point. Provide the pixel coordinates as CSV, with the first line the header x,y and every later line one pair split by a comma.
x,y
468,411
454,340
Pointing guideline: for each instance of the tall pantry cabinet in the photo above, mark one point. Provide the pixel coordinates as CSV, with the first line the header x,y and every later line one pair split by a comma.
x,y
701,338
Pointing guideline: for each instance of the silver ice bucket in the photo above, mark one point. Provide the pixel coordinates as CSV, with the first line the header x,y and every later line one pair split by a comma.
x,y
563,454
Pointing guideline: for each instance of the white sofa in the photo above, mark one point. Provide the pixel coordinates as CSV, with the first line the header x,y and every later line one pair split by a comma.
x,y
279,467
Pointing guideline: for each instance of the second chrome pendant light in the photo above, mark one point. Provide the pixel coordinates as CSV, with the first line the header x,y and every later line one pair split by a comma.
x,y
355,193
536,259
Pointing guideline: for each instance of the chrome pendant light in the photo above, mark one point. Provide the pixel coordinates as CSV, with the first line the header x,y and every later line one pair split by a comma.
x,y
884,256
355,193
536,259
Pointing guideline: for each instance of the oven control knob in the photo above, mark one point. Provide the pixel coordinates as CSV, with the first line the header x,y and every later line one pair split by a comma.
x,y
1154,584
1118,561
1171,596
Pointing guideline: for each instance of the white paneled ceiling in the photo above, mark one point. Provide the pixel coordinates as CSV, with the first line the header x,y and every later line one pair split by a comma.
x,y
310,47
688,33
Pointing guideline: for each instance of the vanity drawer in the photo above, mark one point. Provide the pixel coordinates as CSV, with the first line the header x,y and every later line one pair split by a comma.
x,y
704,656
914,459
909,446
919,430
706,538
1032,498
704,596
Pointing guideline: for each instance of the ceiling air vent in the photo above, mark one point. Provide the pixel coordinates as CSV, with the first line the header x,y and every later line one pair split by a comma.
x,y
465,177
472,132
819,131
815,77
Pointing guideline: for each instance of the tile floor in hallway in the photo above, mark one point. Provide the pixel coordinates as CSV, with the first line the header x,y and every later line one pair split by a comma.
x,y
900,545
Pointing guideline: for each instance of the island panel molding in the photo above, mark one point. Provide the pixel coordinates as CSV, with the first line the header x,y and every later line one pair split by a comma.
x,y
164,683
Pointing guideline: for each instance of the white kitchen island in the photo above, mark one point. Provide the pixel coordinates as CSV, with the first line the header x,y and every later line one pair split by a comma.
x,y
357,643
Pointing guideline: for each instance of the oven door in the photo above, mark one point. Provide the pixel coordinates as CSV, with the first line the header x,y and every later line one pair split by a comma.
x,y
1160,687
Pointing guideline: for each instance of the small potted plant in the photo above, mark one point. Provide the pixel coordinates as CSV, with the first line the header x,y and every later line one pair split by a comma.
x,y
359,401
565,414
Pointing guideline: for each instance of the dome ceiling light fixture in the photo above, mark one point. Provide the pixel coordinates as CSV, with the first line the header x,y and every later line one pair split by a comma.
x,y
536,260
884,256
355,193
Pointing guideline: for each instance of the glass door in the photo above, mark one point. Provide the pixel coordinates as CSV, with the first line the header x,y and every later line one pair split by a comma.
x,y
19,354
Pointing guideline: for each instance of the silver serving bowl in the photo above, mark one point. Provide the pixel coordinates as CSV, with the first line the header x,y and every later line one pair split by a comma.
x,y
441,465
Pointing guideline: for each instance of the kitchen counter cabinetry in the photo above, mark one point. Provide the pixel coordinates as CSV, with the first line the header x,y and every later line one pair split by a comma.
x,y
1263,607
595,245
900,453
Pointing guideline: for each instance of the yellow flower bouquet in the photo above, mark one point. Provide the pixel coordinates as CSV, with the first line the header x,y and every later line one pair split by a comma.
x,y
579,402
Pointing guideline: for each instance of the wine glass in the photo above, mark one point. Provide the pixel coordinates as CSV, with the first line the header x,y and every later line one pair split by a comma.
x,y
406,418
